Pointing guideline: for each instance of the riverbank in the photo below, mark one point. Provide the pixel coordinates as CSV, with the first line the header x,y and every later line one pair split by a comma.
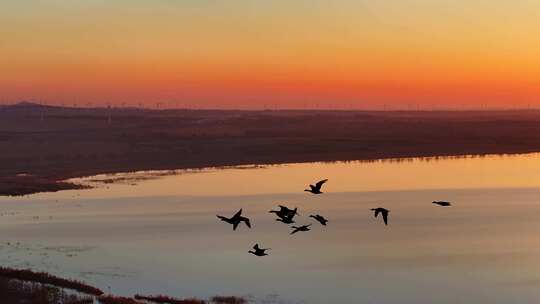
x,y
21,286
43,146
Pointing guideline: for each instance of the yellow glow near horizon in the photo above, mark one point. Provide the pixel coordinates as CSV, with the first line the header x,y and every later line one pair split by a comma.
x,y
249,53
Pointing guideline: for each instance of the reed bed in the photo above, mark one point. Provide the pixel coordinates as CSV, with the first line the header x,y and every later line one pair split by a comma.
x,y
161,299
228,300
45,278
23,286
13,291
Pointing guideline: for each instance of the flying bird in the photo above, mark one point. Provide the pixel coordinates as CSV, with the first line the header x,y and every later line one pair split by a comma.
x,y
320,219
384,213
236,219
286,220
317,188
285,211
300,228
285,214
442,203
259,251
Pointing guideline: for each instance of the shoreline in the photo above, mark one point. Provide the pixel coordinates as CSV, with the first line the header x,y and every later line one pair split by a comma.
x,y
26,286
43,147
28,185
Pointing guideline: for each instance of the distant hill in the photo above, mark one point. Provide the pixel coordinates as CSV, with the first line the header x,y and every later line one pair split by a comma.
x,y
26,105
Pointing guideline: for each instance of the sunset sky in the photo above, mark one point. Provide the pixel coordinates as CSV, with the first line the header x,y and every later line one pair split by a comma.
x,y
257,54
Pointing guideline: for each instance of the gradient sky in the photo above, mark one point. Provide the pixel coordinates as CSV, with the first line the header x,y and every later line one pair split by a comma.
x,y
288,54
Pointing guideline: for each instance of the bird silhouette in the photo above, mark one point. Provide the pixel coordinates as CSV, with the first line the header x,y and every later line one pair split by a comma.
x,y
259,251
442,203
319,218
236,219
300,228
286,220
384,213
317,188
285,215
285,211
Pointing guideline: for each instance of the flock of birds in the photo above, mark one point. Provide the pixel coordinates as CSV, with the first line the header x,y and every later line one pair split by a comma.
x,y
286,216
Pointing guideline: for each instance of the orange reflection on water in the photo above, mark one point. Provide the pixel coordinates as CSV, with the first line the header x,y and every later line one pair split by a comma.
x,y
493,171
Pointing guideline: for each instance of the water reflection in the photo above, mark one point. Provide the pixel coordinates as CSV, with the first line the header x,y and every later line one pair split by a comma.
x,y
162,236
463,172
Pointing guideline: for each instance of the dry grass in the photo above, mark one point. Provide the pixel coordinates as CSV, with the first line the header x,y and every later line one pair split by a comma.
x,y
18,292
28,287
228,300
161,299
45,278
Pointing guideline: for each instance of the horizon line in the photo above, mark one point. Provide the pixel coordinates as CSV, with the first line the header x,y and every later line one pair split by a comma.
x,y
160,107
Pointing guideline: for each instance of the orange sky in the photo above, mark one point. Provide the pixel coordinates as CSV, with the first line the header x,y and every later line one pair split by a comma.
x,y
287,54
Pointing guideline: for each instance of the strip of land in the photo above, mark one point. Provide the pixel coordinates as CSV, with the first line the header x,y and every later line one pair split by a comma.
x,y
23,286
42,146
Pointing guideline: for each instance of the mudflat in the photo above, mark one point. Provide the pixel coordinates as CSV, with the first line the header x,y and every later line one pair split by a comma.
x,y
41,146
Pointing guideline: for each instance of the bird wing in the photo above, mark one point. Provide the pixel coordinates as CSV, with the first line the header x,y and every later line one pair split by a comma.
x,y
235,224
246,220
319,184
385,217
377,212
238,214
256,247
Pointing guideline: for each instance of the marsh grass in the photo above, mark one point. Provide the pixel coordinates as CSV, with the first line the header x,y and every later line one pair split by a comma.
x,y
24,286
228,300
45,278
18,292
161,299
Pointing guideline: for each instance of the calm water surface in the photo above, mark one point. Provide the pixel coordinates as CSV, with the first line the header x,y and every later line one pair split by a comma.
x,y
153,234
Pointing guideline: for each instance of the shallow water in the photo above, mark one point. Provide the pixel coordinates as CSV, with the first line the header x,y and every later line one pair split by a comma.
x,y
161,235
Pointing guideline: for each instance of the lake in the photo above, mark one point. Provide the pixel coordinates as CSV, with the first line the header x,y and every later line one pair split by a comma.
x,y
157,232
